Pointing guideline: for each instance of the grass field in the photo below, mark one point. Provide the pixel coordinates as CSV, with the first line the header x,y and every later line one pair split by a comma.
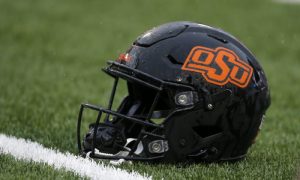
x,y
51,53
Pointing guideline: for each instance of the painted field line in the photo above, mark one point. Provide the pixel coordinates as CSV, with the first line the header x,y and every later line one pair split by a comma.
x,y
27,150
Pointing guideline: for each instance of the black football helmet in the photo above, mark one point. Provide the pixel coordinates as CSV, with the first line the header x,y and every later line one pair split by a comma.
x,y
195,93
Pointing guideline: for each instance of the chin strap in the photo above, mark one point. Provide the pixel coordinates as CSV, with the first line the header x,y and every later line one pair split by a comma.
x,y
125,152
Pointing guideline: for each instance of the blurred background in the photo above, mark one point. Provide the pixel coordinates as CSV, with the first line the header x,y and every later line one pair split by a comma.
x,y
52,51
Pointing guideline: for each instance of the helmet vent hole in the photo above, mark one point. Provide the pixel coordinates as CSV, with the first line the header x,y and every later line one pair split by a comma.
x,y
218,38
205,131
256,73
173,60
256,76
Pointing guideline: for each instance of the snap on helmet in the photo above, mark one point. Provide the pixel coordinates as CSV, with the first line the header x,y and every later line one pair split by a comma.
x,y
195,93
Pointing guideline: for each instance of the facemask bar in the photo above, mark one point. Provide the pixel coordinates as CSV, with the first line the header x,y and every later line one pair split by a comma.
x,y
109,112
117,70
111,99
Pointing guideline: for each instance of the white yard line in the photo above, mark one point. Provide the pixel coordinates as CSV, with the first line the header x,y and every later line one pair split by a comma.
x,y
288,1
31,151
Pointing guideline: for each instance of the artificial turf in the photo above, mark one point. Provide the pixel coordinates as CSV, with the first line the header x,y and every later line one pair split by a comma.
x,y
51,53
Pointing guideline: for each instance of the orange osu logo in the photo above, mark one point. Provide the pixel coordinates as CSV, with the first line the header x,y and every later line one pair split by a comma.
x,y
218,66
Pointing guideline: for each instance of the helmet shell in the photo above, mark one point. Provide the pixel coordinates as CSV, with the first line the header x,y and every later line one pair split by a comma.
x,y
164,51
205,85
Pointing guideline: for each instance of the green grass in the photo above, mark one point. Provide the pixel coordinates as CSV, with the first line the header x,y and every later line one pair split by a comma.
x,y
51,52
12,169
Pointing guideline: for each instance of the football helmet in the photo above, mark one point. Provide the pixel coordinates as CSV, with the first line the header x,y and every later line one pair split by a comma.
x,y
195,94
